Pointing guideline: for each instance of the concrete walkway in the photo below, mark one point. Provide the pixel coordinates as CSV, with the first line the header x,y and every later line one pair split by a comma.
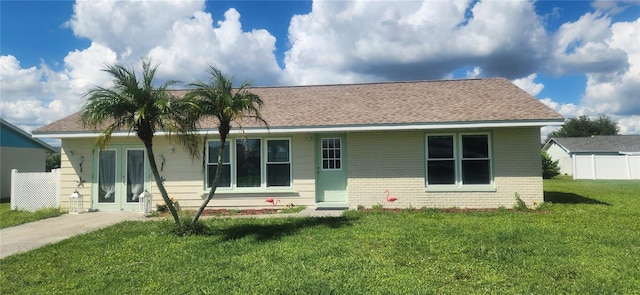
x,y
36,234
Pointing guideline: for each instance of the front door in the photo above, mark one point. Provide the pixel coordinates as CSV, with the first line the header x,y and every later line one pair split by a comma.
x,y
122,174
331,171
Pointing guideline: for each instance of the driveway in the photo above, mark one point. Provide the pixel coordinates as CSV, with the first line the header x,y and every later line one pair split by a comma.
x,y
36,234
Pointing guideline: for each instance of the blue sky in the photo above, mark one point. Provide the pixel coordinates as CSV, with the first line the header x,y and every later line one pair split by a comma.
x,y
578,57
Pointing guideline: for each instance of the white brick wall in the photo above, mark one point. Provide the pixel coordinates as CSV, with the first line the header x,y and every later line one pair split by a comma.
x,y
396,161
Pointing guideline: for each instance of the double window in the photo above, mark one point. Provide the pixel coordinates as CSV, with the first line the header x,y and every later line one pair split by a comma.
x,y
251,163
458,160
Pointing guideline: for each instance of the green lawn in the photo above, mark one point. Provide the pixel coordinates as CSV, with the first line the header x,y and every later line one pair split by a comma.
x,y
10,217
586,242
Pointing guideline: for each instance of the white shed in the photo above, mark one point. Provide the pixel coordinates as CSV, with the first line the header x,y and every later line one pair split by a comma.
x,y
597,157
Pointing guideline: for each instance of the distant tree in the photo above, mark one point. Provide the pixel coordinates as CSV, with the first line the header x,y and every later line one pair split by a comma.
x,y
53,162
583,126
550,167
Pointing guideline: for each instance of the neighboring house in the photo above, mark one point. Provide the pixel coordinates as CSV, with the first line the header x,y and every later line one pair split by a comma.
x,y
597,157
18,150
465,143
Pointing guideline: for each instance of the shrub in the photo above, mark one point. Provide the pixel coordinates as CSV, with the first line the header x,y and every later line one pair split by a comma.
x,y
520,204
377,207
550,167
186,226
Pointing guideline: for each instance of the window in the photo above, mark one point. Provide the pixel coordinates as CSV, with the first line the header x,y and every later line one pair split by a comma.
x,y
255,164
458,160
331,158
248,172
476,168
212,164
278,163
441,160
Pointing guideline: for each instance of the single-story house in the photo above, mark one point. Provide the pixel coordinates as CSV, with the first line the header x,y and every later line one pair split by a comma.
x,y
18,150
597,157
463,143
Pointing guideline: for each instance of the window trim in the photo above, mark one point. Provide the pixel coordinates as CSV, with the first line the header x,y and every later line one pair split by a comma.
x,y
233,188
458,159
206,172
266,163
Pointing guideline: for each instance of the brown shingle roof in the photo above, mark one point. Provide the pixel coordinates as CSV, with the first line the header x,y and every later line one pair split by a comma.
x,y
392,103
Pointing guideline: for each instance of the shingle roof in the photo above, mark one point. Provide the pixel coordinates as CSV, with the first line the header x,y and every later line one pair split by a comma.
x,y
391,103
601,143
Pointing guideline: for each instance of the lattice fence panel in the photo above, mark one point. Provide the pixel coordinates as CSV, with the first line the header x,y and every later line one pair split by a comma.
x,y
31,191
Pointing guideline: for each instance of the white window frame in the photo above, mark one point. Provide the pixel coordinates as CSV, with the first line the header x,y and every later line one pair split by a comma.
x,y
265,158
206,172
458,159
231,145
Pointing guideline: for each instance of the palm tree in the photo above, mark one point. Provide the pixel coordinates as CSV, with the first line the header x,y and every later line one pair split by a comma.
x,y
137,106
219,99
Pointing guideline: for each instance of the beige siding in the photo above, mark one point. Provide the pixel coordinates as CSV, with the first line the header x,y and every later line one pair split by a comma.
x,y
376,161
302,192
70,170
184,176
396,161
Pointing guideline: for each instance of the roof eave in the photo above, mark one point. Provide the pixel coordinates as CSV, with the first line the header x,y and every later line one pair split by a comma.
x,y
31,137
342,128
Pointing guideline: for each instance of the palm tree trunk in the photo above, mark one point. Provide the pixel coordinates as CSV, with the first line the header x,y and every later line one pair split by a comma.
x,y
216,179
158,178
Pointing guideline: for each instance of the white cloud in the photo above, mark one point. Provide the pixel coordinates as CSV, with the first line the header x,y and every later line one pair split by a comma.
x,y
180,36
130,28
23,101
527,84
342,42
629,124
568,110
176,34
609,55
16,81
39,95
618,93
475,73
248,55
580,47
84,67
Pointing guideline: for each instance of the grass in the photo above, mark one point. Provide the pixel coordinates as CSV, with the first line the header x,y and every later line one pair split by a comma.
x,y
10,217
585,241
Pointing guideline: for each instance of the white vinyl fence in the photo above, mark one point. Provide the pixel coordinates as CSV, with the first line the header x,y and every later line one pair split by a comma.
x,y
31,191
606,167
